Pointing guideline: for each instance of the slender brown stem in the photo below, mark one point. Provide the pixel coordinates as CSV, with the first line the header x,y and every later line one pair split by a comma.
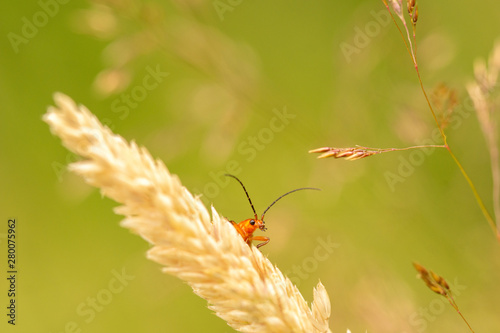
x,y
480,202
405,148
455,306
441,131
399,29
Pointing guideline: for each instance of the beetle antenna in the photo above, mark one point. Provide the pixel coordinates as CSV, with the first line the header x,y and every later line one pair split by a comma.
x,y
244,189
287,193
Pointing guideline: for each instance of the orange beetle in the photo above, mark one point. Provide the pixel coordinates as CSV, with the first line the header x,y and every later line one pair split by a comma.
x,y
247,227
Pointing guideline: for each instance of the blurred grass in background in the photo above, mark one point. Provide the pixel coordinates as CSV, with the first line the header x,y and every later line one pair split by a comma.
x,y
229,75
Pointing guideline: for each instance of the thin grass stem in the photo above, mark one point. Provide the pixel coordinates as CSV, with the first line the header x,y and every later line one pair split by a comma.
x,y
399,29
480,202
478,198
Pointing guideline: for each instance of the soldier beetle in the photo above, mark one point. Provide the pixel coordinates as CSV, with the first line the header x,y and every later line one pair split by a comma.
x,y
247,227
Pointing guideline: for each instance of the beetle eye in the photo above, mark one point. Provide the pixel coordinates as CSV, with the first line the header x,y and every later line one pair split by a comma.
x,y
252,222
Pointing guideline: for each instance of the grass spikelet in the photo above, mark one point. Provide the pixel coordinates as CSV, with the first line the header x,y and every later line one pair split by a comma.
x,y
358,152
433,281
438,285
239,283
413,11
350,154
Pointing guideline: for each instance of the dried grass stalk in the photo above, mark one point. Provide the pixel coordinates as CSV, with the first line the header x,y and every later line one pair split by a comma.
x,y
239,283
484,94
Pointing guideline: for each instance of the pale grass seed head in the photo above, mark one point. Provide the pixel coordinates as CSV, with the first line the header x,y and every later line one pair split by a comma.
x,y
241,285
350,154
397,6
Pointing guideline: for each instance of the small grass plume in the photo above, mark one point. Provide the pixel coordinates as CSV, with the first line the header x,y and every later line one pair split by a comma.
x,y
240,284
438,285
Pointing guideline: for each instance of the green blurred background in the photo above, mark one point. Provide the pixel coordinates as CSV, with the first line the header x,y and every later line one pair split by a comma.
x,y
229,68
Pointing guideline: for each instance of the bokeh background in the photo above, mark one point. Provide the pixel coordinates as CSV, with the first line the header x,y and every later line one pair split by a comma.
x,y
340,71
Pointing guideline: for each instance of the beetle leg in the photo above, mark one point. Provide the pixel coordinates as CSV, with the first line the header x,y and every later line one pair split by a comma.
x,y
264,239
